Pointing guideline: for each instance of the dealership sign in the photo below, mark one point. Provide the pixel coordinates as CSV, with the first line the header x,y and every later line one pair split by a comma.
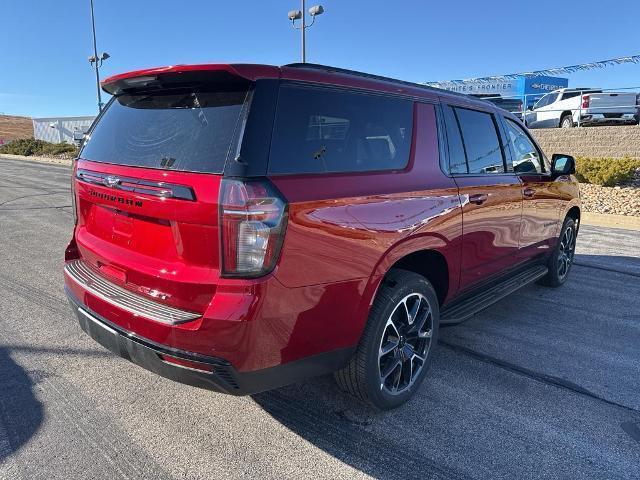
x,y
470,88
506,88
542,84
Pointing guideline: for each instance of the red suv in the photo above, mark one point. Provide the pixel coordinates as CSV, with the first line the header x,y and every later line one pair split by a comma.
x,y
242,227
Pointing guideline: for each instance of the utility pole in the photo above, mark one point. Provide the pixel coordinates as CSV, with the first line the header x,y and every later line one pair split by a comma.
x,y
301,15
303,30
94,60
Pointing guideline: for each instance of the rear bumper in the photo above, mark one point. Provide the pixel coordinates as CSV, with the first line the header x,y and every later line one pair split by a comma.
x,y
601,118
212,373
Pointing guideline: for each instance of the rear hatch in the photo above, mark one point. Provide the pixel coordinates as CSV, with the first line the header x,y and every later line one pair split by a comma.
x,y
147,183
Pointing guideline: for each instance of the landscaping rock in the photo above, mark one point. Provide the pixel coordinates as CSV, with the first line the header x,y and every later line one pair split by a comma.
x,y
619,200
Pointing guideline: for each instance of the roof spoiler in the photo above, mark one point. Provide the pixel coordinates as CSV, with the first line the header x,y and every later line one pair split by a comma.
x,y
186,75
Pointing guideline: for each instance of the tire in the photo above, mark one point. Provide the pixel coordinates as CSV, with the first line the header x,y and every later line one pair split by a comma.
x,y
561,259
566,121
387,380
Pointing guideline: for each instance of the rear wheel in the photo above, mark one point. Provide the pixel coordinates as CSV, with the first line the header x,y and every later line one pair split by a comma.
x,y
566,121
562,256
398,342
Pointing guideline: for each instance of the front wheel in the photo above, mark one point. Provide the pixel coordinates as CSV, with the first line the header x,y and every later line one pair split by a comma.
x,y
562,256
397,344
566,121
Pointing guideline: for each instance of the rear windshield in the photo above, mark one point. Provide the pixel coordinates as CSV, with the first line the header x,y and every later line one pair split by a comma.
x,y
185,130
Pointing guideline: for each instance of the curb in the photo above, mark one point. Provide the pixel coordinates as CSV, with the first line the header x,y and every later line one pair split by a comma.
x,y
609,220
55,161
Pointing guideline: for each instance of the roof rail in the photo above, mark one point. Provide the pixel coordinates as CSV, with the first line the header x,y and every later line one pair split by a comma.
x,y
327,68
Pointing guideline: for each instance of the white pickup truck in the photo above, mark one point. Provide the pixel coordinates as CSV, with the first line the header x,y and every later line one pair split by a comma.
x,y
568,107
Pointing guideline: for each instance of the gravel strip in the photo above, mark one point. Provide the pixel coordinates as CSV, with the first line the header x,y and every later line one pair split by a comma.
x,y
612,200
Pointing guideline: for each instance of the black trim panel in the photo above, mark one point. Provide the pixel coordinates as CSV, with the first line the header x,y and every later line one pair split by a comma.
x,y
224,378
255,140
137,185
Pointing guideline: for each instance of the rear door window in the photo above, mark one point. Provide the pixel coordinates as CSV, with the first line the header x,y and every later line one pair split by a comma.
x,y
178,130
325,131
457,158
481,141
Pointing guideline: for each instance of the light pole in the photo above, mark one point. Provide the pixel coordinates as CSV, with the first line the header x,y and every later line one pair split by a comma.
x,y
300,15
95,60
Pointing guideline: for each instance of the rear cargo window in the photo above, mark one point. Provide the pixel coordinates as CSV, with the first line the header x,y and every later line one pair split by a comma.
x,y
187,130
321,131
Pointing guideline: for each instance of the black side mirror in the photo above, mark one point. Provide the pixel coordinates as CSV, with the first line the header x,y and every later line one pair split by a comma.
x,y
562,164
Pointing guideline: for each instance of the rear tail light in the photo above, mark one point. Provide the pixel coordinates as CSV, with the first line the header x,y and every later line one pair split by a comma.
x,y
74,206
586,99
253,219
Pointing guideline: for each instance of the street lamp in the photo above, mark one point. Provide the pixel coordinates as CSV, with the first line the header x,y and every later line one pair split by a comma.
x,y
95,60
300,15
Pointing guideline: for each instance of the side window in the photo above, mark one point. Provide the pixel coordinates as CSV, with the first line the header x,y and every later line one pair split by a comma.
x,y
322,131
481,141
526,156
457,158
542,102
548,99
567,95
329,128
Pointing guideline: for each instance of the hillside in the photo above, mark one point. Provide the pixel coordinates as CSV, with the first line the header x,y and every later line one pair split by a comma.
x,y
12,127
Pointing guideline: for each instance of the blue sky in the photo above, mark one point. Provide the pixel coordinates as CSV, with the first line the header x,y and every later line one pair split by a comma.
x,y
44,44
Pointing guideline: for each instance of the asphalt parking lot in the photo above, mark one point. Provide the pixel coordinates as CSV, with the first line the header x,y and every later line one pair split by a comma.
x,y
544,384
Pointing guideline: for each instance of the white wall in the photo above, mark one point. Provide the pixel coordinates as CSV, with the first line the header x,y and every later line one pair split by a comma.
x,y
58,130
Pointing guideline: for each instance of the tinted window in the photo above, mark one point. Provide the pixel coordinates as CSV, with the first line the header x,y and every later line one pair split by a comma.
x,y
457,159
567,95
526,156
480,137
189,131
320,131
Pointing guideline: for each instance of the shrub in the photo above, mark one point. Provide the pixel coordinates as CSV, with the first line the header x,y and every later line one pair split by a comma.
x,y
606,171
58,148
31,146
23,146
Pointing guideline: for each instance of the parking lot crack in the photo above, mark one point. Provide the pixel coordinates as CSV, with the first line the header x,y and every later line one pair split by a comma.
x,y
606,269
537,376
632,430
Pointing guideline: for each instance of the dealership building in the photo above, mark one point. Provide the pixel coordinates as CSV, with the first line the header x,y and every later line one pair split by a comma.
x,y
527,89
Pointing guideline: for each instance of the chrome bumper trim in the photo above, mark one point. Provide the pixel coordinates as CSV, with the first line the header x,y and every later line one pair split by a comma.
x,y
113,294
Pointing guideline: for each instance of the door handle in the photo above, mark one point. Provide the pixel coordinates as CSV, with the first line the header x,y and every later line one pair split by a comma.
x,y
478,198
529,192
